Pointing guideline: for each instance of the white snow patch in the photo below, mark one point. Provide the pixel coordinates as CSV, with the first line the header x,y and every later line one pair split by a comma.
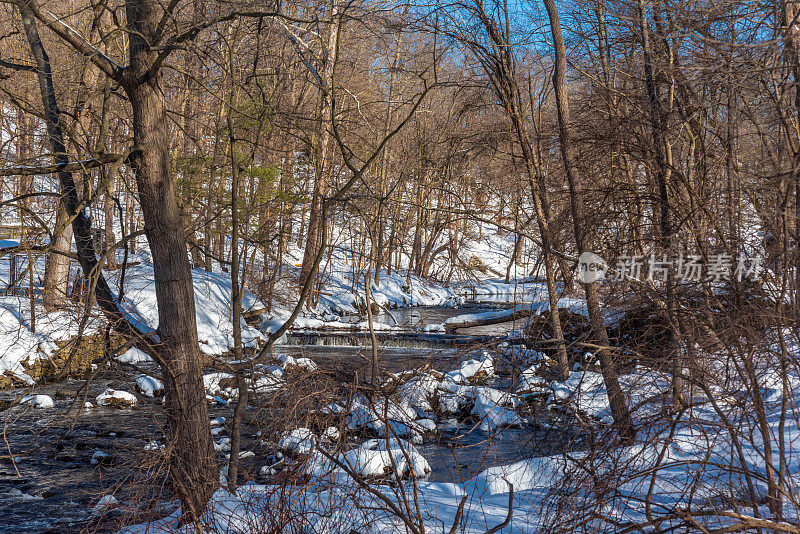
x,y
133,356
149,386
38,401
299,441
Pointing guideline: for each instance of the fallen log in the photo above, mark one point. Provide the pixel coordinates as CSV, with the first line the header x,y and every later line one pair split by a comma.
x,y
521,311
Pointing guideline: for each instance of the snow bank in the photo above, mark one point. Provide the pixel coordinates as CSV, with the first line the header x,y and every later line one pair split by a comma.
x,y
533,473
322,508
20,346
341,295
212,299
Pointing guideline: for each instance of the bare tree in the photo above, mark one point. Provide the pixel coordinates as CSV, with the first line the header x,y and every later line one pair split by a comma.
x,y
619,409
174,345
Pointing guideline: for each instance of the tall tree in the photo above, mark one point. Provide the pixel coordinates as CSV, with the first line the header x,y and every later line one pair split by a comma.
x,y
663,174
322,160
619,408
193,469
498,62
790,26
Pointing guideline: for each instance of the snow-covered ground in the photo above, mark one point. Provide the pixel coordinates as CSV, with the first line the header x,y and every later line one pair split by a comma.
x,y
711,456
212,299
701,459
25,339
29,335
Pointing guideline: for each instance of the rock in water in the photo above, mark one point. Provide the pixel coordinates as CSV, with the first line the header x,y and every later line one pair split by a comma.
x,y
117,398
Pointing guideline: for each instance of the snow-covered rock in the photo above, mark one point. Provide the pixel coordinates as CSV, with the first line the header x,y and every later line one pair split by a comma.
x,y
220,385
418,391
267,383
133,356
305,364
149,386
383,415
218,421
223,444
331,434
116,397
487,408
377,458
299,441
38,401
586,390
154,445
99,457
530,381
105,502
471,370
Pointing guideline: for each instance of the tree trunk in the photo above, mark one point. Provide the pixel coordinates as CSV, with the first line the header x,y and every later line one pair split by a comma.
x,y
503,70
322,168
56,271
663,173
56,274
619,409
791,34
193,467
236,288
24,142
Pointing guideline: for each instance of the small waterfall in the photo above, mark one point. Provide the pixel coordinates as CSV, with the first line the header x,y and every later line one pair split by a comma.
x,y
410,340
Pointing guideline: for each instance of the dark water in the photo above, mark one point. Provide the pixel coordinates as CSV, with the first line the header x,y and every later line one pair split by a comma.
x,y
51,484
464,452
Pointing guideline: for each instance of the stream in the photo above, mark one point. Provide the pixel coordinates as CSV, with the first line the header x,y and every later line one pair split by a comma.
x,y
49,484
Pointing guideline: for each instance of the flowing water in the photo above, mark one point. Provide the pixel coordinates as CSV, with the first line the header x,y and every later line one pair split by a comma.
x,y
48,483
